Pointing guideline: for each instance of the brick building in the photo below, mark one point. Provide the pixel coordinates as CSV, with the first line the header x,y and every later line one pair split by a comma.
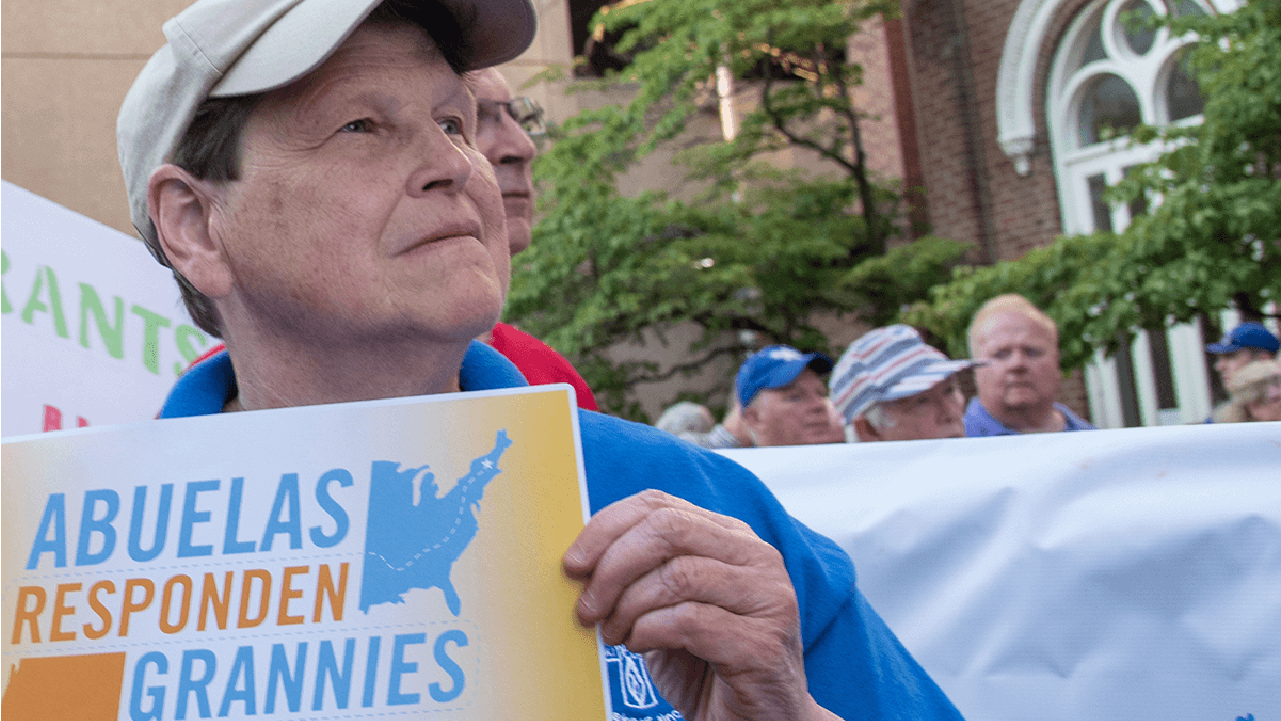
x,y
1020,108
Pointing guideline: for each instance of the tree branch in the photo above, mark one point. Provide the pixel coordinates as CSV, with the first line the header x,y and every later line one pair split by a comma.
x,y
780,124
686,367
858,169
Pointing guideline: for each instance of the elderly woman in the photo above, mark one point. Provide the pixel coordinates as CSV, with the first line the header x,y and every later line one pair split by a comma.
x,y
1256,394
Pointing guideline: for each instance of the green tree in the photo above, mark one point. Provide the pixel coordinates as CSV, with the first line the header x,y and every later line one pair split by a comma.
x,y
1212,239
759,249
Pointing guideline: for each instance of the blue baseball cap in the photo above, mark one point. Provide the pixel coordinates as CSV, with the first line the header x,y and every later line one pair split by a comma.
x,y
1246,335
774,367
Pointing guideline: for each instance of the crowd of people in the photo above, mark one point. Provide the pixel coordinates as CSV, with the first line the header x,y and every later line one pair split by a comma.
x,y
890,385
339,189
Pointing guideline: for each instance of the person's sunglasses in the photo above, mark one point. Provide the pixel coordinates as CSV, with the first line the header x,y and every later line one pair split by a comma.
x,y
527,113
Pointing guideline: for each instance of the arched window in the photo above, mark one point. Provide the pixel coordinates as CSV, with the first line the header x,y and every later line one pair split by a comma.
x,y
1111,72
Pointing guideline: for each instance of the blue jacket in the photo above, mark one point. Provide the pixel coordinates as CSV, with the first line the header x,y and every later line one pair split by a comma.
x,y
854,664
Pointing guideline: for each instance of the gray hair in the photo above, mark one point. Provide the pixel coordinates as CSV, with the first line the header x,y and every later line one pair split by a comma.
x,y
876,416
686,417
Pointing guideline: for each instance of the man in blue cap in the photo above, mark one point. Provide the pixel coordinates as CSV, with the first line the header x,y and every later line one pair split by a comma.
x,y
1244,344
784,398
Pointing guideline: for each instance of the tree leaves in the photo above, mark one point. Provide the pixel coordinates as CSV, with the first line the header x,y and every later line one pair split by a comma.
x,y
760,248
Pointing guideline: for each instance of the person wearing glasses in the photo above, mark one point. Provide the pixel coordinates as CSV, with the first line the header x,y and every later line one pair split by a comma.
x,y
503,129
503,136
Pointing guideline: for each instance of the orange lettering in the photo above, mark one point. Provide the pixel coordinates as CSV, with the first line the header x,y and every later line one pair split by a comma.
x,y
29,615
166,599
325,587
209,597
263,601
89,631
288,593
60,609
131,606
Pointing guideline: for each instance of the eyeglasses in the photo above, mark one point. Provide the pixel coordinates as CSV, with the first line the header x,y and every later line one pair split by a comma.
x,y
527,113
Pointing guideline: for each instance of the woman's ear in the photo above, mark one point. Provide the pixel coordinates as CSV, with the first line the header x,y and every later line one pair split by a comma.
x,y
181,207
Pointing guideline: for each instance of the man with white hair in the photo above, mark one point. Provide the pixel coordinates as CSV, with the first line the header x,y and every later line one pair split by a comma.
x,y
309,170
892,386
1020,378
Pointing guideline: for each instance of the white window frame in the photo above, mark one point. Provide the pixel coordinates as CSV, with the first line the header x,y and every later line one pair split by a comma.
x,y
1017,82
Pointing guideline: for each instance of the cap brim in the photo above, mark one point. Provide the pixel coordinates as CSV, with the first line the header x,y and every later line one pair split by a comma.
x,y
785,373
309,32
925,378
1222,348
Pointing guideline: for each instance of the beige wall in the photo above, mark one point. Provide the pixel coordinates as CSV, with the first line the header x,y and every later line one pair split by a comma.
x,y
67,65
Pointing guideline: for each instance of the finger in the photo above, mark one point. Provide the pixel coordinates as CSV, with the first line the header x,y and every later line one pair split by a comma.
x,y
664,534
758,590
614,520
735,645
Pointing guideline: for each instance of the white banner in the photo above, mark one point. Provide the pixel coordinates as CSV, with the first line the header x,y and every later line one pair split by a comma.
x,y
1129,574
1125,574
94,332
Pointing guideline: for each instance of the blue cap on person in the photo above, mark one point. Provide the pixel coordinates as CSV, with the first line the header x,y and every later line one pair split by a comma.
x,y
1246,335
887,364
774,367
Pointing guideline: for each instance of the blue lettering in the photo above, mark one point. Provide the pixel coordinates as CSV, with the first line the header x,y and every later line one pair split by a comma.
x,y
399,667
243,666
328,667
136,551
90,525
157,693
330,506
286,492
230,544
371,671
55,515
190,517
453,669
279,672
188,685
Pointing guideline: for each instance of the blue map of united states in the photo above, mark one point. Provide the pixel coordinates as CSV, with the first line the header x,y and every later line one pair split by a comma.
x,y
414,545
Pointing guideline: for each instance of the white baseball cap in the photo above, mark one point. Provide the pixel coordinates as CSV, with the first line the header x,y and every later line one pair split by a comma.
x,y
228,48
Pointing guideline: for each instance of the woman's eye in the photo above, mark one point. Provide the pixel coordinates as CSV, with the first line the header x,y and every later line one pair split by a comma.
x,y
357,126
451,126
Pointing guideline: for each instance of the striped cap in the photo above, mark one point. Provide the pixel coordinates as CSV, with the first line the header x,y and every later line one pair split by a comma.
x,y
887,364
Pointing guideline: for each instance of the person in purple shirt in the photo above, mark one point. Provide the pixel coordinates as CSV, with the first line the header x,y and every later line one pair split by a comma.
x,y
1020,378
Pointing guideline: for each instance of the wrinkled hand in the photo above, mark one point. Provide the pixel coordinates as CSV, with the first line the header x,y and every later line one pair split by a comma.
x,y
708,602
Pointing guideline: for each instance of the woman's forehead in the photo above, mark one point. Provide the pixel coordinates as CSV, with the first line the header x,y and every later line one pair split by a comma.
x,y
375,52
